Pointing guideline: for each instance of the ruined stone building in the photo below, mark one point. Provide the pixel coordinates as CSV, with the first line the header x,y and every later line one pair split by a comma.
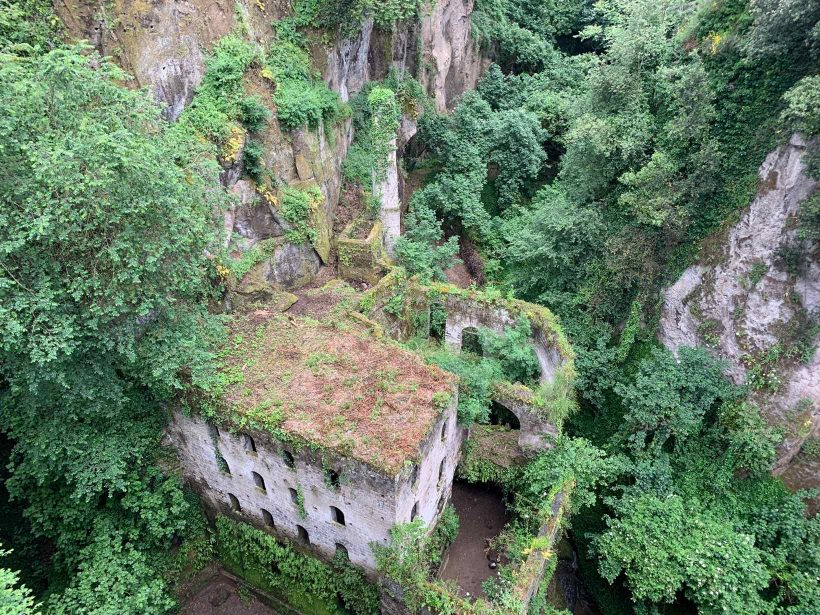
x,y
327,437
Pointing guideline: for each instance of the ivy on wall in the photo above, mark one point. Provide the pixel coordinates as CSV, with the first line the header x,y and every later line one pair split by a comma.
x,y
312,586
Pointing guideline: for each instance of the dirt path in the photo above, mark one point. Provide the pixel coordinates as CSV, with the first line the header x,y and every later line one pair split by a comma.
x,y
220,596
482,515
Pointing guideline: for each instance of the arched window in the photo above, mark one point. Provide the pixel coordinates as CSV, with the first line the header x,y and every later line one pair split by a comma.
x,y
341,551
289,460
258,481
415,512
443,431
268,518
499,415
294,495
337,515
248,443
414,475
333,479
222,464
470,341
234,502
441,470
303,534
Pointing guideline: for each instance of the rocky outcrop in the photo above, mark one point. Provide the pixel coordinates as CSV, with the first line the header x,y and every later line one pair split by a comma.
x,y
451,60
753,302
164,45
438,49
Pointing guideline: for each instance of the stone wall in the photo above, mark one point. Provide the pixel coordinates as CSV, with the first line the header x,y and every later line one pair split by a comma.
x,y
427,486
370,501
463,313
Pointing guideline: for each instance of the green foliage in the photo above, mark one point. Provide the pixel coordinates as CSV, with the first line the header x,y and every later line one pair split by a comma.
x,y
571,460
301,97
219,98
252,161
476,376
420,249
668,398
253,113
294,577
662,546
347,15
296,207
15,599
107,213
27,27
513,350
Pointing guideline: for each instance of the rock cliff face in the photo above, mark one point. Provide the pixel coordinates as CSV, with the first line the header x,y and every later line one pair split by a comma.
x,y
755,302
164,44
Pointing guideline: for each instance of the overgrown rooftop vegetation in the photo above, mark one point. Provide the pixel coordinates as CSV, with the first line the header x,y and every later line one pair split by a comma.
x,y
332,387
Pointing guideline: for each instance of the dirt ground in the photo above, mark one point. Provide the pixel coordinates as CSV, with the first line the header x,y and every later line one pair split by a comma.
x,y
482,515
221,596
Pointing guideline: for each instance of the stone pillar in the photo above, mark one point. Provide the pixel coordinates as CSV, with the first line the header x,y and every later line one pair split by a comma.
x,y
387,191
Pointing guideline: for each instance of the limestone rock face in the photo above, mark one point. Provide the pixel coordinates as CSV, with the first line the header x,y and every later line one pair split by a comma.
x,y
164,45
160,43
451,59
745,300
251,219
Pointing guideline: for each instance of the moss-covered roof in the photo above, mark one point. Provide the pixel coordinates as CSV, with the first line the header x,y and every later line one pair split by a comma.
x,y
332,386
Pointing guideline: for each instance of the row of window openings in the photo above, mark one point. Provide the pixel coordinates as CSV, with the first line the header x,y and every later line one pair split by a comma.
x,y
250,446
290,462
415,475
414,512
301,532
335,514
333,477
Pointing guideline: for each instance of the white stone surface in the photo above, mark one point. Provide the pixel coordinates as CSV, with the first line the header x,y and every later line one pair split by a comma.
x,y
372,502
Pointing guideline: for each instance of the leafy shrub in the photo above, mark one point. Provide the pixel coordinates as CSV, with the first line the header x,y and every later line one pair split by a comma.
x,y
218,100
300,97
513,350
296,208
253,113
252,160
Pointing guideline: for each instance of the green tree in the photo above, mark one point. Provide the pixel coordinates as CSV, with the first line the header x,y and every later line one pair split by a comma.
x,y
106,219
669,397
15,599
663,546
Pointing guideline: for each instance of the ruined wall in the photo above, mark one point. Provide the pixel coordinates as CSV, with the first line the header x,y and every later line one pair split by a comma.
x,y
371,502
465,313
743,299
387,191
367,498
421,484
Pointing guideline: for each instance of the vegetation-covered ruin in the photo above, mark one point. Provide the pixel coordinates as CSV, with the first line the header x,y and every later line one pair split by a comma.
x,y
274,274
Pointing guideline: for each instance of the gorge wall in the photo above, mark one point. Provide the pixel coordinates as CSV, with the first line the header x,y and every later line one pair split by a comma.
x,y
754,300
164,44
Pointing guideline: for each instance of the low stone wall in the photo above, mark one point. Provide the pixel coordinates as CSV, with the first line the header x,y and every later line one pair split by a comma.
x,y
532,571
361,259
